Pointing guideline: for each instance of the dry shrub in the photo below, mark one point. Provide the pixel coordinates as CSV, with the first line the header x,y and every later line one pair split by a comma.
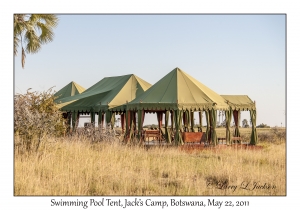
x,y
35,117
280,134
94,134
274,135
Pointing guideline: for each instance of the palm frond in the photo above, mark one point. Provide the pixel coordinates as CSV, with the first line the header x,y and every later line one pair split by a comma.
x,y
33,30
33,44
50,19
16,45
46,33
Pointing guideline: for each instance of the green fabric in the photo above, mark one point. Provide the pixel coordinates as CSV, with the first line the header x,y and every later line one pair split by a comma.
x,y
100,122
200,121
132,126
74,120
70,89
187,120
109,93
207,113
107,117
127,117
77,120
178,90
172,124
113,120
228,115
159,120
178,124
214,137
92,114
110,118
167,132
239,102
254,138
172,120
192,122
140,123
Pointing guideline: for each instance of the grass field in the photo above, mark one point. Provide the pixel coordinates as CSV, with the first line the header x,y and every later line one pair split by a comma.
x,y
73,166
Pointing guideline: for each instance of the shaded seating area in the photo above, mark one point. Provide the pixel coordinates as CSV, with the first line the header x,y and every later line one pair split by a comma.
x,y
175,99
177,96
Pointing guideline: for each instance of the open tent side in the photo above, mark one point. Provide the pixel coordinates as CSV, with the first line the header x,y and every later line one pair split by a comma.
x,y
178,94
238,103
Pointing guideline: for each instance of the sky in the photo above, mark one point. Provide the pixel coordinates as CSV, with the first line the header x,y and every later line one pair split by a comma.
x,y
231,54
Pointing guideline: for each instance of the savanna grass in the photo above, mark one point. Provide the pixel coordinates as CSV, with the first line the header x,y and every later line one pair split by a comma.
x,y
78,167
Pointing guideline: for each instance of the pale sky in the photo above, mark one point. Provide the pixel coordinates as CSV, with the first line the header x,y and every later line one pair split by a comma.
x,y
231,54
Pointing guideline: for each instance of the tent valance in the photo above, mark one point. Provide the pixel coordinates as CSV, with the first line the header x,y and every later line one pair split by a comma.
x,y
175,106
239,102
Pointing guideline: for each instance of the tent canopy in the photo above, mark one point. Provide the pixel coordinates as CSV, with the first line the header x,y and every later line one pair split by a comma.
x,y
240,102
70,89
109,93
178,90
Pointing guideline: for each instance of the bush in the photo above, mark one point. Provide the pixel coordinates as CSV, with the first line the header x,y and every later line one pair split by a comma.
x,y
274,135
36,116
266,137
280,134
263,126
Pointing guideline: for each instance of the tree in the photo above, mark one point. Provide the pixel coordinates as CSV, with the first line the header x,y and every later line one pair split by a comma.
x,y
245,123
31,31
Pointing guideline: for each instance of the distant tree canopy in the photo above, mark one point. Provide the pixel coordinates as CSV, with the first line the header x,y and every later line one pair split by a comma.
x,y
31,31
263,126
245,123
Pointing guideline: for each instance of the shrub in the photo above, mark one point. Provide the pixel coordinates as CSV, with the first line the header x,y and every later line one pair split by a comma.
x,y
263,126
280,134
266,137
36,116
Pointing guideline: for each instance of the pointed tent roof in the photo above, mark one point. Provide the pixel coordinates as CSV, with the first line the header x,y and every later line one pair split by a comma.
x,y
70,89
109,93
178,90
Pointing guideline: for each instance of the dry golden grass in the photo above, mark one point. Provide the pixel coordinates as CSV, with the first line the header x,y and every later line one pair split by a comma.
x,y
78,167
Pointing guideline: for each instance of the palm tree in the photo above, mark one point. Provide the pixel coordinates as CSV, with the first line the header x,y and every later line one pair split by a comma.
x,y
31,31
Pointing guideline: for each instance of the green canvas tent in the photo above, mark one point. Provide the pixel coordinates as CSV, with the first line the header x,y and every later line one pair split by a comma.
x,y
180,94
238,103
70,89
109,96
